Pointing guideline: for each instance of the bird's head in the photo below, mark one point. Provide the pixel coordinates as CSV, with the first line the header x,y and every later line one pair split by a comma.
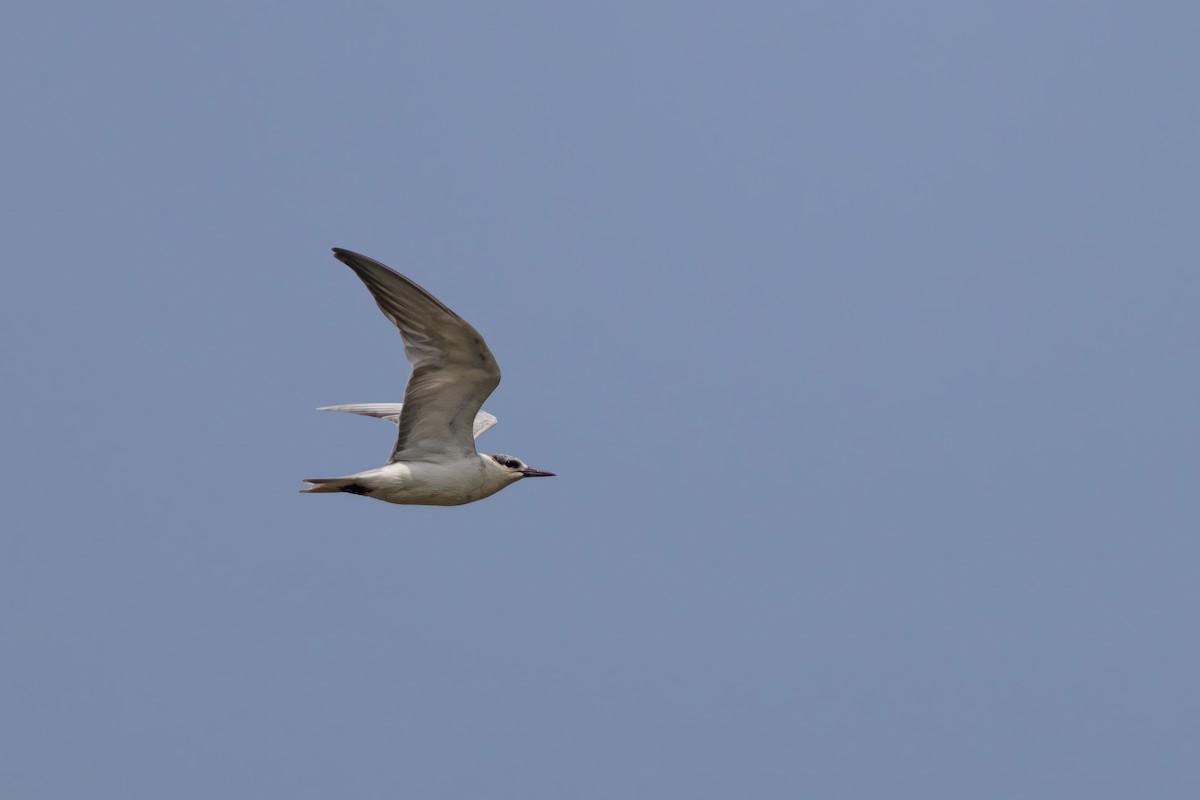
x,y
515,469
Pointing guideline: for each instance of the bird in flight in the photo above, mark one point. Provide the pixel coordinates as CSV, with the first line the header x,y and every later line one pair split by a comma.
x,y
434,461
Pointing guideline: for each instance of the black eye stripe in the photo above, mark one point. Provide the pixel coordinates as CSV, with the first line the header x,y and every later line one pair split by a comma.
x,y
506,461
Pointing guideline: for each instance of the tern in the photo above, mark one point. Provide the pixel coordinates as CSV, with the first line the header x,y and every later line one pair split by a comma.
x,y
434,461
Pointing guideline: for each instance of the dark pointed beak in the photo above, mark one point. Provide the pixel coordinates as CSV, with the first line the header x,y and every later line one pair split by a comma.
x,y
530,472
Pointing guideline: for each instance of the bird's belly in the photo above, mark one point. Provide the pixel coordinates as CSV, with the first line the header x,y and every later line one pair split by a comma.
x,y
430,484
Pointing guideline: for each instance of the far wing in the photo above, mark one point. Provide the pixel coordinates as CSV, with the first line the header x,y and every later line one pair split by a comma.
x,y
391,412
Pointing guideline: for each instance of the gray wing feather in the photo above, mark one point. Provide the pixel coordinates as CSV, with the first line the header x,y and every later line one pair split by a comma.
x,y
453,369
391,412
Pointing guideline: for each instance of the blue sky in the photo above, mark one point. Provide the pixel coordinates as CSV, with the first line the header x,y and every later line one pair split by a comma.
x,y
861,335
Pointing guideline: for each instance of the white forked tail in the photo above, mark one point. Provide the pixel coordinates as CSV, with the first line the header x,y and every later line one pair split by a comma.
x,y
318,485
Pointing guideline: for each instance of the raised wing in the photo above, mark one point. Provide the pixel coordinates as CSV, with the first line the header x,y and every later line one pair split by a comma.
x,y
453,370
391,412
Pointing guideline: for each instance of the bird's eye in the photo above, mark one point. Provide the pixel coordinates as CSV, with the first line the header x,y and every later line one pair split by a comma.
x,y
512,463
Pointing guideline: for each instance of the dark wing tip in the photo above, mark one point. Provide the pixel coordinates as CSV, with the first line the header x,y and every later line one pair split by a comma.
x,y
366,267
346,256
363,264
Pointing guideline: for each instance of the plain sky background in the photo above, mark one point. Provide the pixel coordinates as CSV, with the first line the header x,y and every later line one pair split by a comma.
x,y
862,336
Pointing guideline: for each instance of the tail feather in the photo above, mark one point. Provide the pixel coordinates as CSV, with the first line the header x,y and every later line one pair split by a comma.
x,y
319,485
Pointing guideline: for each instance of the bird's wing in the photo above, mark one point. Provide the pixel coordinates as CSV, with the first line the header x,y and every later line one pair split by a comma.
x,y
453,370
391,412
